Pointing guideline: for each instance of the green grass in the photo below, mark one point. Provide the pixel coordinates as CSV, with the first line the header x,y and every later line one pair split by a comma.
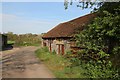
x,y
26,44
60,66
10,42
23,43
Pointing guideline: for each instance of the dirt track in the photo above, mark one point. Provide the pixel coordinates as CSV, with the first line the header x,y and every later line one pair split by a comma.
x,y
22,63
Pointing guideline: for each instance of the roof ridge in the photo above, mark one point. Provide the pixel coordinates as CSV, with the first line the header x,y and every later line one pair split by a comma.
x,y
81,17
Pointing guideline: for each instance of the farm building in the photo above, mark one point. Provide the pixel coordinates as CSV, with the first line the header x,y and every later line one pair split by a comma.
x,y
59,39
3,41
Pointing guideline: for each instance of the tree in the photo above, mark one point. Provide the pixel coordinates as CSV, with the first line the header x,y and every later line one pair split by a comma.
x,y
101,40
85,4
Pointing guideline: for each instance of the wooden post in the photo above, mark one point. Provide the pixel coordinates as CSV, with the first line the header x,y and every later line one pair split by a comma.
x,y
58,49
63,51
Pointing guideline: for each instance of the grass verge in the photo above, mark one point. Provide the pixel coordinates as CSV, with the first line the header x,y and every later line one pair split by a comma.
x,y
60,66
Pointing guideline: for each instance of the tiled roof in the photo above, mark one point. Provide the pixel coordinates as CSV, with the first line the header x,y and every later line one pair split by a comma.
x,y
68,29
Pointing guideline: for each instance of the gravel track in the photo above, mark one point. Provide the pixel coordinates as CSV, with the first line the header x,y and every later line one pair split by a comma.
x,y
22,63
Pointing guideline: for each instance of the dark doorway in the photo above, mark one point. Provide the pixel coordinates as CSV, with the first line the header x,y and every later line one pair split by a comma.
x,y
44,44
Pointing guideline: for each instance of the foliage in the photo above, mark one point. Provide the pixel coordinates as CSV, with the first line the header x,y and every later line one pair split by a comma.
x,y
84,4
101,40
24,39
10,42
93,69
100,71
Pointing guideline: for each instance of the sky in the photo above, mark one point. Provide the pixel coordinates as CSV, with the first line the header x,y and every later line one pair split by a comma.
x,y
36,17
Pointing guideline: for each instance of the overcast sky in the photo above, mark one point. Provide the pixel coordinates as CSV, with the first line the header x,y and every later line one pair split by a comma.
x,y
36,17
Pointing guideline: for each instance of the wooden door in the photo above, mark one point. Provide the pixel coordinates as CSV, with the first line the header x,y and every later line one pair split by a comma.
x,y
63,51
50,48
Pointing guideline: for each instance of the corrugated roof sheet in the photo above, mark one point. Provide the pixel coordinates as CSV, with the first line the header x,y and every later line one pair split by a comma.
x,y
69,28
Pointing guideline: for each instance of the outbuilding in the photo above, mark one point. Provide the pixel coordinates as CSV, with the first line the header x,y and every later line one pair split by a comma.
x,y
59,39
3,41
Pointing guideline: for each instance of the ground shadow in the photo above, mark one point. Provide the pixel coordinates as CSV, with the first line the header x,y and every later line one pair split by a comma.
x,y
8,47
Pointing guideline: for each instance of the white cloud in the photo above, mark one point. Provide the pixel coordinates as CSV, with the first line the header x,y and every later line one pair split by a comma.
x,y
19,24
8,17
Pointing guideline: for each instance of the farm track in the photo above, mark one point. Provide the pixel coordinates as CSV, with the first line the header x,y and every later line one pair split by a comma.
x,y
22,63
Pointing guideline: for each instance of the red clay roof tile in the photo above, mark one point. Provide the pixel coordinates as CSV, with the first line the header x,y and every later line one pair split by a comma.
x,y
68,29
